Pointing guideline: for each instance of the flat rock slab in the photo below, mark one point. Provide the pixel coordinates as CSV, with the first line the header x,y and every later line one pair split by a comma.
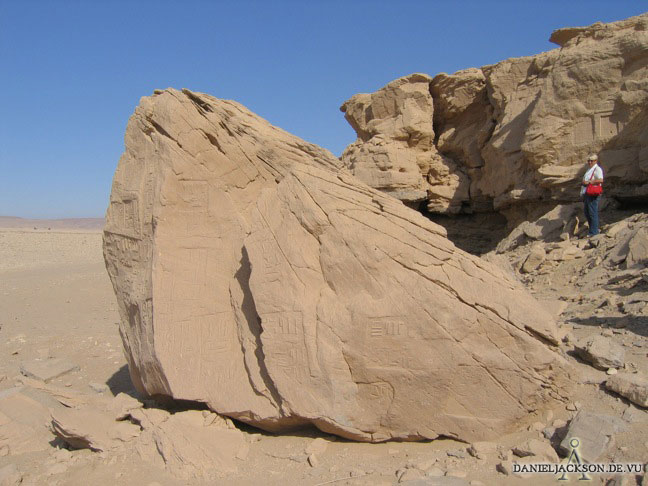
x,y
23,420
47,370
602,352
594,433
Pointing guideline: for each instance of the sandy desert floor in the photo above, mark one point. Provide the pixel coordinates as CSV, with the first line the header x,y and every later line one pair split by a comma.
x,y
56,302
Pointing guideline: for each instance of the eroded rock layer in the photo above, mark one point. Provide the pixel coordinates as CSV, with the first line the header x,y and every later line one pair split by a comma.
x,y
255,274
511,135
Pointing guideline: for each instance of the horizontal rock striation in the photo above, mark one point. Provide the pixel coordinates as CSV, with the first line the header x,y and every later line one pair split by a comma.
x,y
255,274
510,136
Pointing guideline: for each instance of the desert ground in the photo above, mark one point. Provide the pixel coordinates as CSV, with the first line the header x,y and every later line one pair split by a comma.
x,y
59,315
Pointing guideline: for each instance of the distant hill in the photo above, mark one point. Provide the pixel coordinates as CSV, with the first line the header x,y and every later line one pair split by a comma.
x,y
58,224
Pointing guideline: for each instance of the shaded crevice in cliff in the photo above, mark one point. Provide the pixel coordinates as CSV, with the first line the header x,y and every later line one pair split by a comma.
x,y
253,321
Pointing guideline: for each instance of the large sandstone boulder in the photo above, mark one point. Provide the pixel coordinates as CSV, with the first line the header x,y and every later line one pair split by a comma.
x,y
255,275
516,134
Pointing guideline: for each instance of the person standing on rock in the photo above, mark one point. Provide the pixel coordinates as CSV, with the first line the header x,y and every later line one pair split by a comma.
x,y
591,193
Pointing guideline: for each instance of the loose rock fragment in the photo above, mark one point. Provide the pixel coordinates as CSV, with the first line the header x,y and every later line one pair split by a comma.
x,y
633,387
602,352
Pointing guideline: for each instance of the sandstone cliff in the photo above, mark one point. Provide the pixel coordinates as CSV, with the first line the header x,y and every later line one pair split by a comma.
x,y
512,136
256,275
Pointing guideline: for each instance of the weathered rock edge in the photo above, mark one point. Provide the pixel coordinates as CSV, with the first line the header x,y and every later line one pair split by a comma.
x,y
255,275
512,137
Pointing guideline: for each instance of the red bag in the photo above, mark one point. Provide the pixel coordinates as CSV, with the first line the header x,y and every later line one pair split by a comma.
x,y
594,189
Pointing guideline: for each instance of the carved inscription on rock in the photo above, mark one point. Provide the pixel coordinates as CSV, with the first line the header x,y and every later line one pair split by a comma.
x,y
286,332
382,336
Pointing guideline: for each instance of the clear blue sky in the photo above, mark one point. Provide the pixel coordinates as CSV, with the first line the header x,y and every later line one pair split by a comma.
x,y
72,72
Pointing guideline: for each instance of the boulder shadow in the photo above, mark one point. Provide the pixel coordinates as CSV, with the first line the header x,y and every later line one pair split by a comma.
x,y
636,324
120,382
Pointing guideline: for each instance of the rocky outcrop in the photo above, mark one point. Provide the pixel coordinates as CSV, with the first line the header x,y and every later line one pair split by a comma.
x,y
395,150
255,275
515,135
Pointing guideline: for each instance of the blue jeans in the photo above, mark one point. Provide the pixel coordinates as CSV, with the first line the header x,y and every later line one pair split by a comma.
x,y
591,213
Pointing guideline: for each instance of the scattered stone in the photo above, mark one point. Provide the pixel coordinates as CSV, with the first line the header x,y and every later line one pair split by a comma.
x,y
601,352
537,448
611,371
90,429
98,387
312,460
48,369
632,387
505,468
458,453
548,432
536,256
191,449
638,249
594,434
482,449
409,474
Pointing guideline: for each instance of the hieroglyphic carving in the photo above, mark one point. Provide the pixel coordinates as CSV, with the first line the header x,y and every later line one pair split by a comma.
x,y
608,126
601,125
124,217
195,195
217,333
382,336
286,331
128,248
379,391
285,323
290,361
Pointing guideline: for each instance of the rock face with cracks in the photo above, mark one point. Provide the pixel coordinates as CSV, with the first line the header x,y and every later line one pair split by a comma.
x,y
511,136
256,275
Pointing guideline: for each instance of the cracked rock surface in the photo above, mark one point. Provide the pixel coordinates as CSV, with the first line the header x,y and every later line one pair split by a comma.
x,y
255,274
